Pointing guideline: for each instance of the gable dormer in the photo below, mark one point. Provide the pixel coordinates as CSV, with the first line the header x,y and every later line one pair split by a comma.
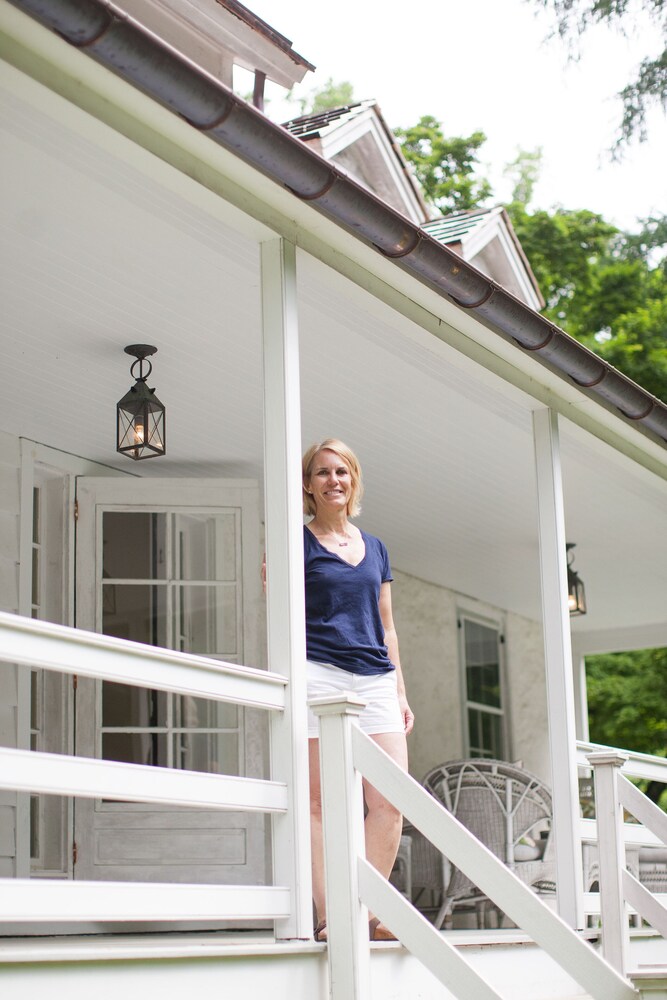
x,y
220,34
358,140
485,238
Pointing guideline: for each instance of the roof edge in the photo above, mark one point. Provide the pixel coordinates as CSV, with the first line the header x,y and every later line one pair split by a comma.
x,y
253,21
131,51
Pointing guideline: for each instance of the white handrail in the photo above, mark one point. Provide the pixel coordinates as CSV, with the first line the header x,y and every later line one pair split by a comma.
x,y
638,765
342,742
642,808
421,938
613,792
29,900
645,903
493,878
86,777
43,645
634,834
90,654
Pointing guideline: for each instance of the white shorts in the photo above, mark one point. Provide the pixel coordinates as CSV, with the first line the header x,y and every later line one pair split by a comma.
x,y
381,714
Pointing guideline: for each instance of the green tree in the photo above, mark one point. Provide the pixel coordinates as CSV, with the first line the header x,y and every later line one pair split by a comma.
x,y
602,287
331,95
564,249
649,87
524,171
627,704
445,167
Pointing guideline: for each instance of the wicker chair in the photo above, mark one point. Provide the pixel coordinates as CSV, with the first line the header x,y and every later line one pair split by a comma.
x,y
653,868
506,808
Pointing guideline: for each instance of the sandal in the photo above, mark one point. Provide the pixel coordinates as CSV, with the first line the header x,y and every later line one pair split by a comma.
x,y
318,933
378,932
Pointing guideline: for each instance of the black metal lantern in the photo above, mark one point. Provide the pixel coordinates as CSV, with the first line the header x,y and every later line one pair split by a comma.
x,y
576,595
140,414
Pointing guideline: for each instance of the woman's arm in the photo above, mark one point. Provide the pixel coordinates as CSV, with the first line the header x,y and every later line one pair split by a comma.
x,y
391,640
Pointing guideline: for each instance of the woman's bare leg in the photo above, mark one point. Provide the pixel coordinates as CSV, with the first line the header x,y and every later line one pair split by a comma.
x,y
382,826
383,821
316,837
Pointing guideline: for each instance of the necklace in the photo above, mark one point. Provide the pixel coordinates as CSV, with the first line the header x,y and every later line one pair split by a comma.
x,y
341,545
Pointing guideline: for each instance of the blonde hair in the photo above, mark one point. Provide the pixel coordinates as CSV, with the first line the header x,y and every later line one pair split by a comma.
x,y
352,462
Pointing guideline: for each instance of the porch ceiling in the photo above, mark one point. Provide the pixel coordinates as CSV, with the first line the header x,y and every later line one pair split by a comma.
x,y
105,246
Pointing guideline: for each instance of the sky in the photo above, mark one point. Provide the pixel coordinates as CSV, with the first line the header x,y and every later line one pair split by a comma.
x,y
488,65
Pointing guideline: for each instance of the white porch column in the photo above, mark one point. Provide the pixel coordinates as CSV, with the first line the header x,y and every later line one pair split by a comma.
x,y
558,663
580,693
285,595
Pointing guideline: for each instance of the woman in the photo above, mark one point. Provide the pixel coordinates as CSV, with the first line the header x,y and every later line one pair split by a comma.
x,y
351,646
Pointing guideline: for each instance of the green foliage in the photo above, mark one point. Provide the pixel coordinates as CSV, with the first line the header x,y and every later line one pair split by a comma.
x,y
525,172
627,704
602,286
649,87
445,167
564,248
331,95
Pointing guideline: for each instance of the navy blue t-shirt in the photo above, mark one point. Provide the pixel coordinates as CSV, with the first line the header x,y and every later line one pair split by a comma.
x,y
343,623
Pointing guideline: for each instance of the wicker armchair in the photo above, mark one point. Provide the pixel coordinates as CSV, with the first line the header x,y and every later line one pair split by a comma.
x,y
505,807
653,868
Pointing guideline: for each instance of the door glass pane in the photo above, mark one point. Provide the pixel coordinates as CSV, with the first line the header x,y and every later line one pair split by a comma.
x,y
136,748
133,545
204,546
135,611
216,752
206,620
128,707
198,713
185,597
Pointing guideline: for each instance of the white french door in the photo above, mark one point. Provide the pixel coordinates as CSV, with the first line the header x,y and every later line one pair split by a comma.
x,y
172,563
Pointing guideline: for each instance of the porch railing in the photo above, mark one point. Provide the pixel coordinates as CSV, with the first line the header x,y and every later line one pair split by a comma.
x,y
34,644
346,755
615,795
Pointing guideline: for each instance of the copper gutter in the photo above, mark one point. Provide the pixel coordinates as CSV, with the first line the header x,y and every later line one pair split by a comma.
x,y
128,49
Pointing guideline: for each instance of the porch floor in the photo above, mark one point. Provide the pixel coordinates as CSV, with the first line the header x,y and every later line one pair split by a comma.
x,y
253,965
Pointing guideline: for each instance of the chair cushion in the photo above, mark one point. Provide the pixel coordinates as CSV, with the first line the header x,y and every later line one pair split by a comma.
x,y
526,852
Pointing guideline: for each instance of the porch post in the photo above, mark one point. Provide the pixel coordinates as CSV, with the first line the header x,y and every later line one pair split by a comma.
x,y
343,829
558,664
609,818
284,592
580,693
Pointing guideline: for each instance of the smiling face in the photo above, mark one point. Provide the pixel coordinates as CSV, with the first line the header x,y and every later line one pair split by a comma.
x,y
330,482
331,456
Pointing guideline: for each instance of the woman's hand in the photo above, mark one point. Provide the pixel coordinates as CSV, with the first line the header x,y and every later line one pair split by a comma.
x,y
406,714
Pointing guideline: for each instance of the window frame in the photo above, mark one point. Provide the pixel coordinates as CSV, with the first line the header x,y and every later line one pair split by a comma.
x,y
495,624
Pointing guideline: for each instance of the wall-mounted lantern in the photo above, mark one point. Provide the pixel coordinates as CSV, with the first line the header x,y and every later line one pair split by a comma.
x,y
576,595
140,414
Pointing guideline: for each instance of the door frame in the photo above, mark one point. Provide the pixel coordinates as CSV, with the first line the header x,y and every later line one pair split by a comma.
x,y
69,467
96,496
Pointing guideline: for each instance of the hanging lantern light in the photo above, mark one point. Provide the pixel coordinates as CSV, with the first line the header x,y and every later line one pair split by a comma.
x,y
140,414
576,595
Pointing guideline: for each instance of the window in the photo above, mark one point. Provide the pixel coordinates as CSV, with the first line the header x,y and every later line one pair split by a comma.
x,y
485,724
